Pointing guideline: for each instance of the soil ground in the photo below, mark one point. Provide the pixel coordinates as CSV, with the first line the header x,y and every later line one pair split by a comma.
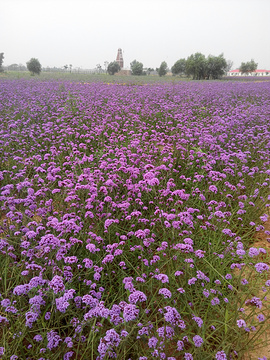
x,y
262,242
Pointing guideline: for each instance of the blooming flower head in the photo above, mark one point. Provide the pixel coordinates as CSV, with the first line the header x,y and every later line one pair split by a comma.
x,y
192,281
53,339
241,323
260,267
198,341
180,345
152,342
215,301
198,320
130,312
68,355
165,292
255,301
261,317
220,355
162,277
38,337
213,189
172,315
56,284
137,296
165,332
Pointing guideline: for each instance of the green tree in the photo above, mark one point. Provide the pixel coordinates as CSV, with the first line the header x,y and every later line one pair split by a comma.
x,y
196,66
113,67
136,67
13,67
149,70
229,65
248,67
215,67
106,63
179,67
1,61
99,68
34,66
163,69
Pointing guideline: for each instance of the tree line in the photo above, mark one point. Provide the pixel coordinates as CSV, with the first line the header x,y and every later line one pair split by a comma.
x,y
197,66
1,61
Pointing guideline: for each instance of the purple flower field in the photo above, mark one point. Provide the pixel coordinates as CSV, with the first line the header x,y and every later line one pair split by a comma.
x,y
127,219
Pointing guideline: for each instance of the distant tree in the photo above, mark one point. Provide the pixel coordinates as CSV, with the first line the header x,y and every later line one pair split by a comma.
x,y
22,67
149,70
196,65
163,69
229,65
1,61
179,67
13,67
215,67
70,67
34,66
113,67
65,67
16,67
99,68
136,67
248,67
106,63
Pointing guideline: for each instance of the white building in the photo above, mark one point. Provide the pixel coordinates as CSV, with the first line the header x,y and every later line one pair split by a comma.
x,y
254,73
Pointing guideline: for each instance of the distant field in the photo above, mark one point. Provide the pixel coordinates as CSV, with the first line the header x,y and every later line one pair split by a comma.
x,y
128,217
84,77
73,76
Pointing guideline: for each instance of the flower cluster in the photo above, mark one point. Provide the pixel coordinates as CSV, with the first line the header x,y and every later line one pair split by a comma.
x,y
124,214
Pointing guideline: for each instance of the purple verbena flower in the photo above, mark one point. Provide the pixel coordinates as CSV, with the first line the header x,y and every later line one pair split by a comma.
x,y
198,341
220,355
165,292
130,312
137,296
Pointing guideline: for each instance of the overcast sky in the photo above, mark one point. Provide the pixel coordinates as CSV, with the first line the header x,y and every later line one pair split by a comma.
x,y
85,33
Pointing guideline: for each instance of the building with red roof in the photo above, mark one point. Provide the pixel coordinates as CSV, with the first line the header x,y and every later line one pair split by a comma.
x,y
253,73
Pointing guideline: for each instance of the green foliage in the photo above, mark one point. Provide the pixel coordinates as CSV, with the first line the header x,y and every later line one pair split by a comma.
x,y
200,67
113,67
16,67
163,69
248,67
149,70
216,66
34,66
179,67
1,61
196,65
136,67
229,65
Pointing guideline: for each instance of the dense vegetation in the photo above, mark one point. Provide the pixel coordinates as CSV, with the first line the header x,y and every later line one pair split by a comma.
x,y
127,219
199,67
34,66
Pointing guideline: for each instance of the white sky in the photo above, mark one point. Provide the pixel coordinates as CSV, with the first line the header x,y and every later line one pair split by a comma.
x,y
88,32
